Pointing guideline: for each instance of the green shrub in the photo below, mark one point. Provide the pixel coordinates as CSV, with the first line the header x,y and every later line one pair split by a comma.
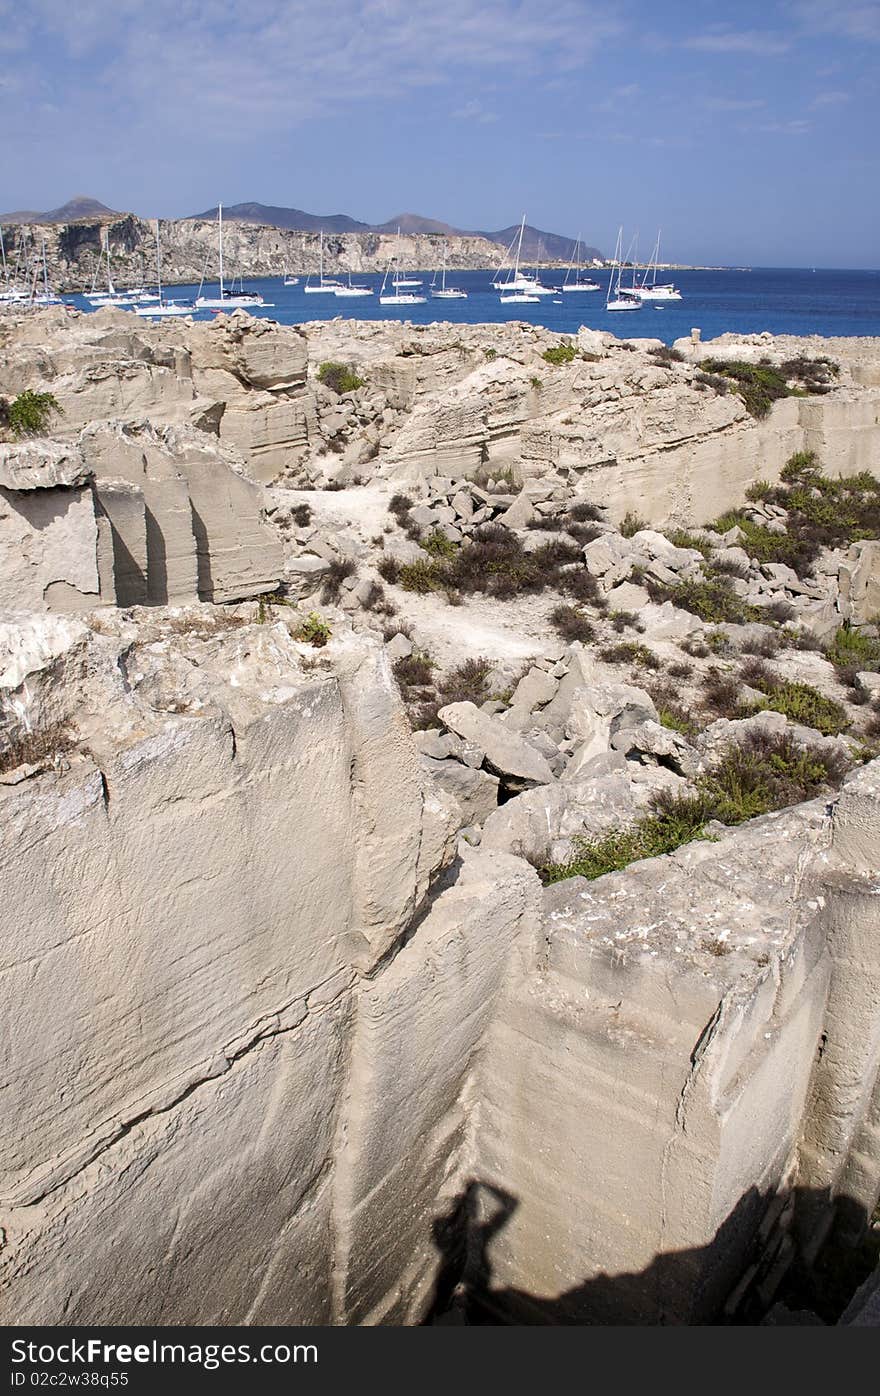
x,y
571,624
681,538
758,490
802,703
420,577
851,649
438,545
29,414
336,574
313,631
631,524
712,598
763,773
560,354
491,354
414,670
630,652
536,384
340,378
665,354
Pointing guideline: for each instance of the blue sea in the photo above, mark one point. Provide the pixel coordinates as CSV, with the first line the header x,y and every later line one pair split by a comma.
x,y
781,300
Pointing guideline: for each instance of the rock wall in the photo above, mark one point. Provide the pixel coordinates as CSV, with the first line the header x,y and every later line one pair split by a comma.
x,y
227,1079
681,1047
75,255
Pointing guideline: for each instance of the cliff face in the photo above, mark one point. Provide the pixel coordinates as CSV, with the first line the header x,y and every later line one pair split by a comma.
x,y
190,248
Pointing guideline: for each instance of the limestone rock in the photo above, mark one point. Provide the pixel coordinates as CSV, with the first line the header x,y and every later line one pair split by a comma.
x,y
515,760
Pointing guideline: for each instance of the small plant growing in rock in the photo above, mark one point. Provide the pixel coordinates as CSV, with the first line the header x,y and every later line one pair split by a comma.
x,y
631,524
389,569
665,354
438,545
764,772
571,624
301,515
340,568
313,631
29,414
559,354
339,378
536,384
36,747
759,490
491,354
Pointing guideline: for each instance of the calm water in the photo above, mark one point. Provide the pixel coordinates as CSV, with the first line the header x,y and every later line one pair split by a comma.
x,y
780,300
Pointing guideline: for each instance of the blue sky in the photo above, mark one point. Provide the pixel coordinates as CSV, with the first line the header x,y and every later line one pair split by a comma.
x,y
748,131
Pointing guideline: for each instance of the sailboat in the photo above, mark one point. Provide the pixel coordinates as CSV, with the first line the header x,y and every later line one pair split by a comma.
x,y
407,298
10,291
517,288
351,290
576,283
121,299
619,299
444,292
324,284
161,307
227,300
403,282
46,297
648,290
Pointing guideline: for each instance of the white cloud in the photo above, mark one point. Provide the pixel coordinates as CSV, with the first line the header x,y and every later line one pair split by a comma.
x,y
831,99
797,127
758,42
241,67
734,103
860,22
474,111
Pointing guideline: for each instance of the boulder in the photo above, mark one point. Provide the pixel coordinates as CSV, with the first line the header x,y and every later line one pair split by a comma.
x,y
511,757
476,791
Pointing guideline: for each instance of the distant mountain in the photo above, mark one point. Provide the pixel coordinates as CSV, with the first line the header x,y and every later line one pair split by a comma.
x,y
80,206
536,243
294,218
414,223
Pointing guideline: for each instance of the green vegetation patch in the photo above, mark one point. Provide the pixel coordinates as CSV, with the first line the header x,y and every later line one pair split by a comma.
x,y
760,774
761,384
560,354
29,414
340,378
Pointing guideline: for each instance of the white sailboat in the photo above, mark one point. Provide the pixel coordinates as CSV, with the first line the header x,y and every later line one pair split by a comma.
x,y
325,284
576,282
648,290
123,300
160,306
10,291
516,290
444,292
351,290
398,298
46,297
619,299
226,300
403,282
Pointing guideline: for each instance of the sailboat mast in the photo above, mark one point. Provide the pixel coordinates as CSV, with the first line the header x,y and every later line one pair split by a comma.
x,y
158,264
3,252
45,270
220,230
321,263
522,228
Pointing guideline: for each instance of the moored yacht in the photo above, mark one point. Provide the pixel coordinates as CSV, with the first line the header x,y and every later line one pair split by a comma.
x,y
226,299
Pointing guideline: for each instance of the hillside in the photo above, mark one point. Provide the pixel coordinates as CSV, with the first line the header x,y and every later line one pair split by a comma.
x,y
80,206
